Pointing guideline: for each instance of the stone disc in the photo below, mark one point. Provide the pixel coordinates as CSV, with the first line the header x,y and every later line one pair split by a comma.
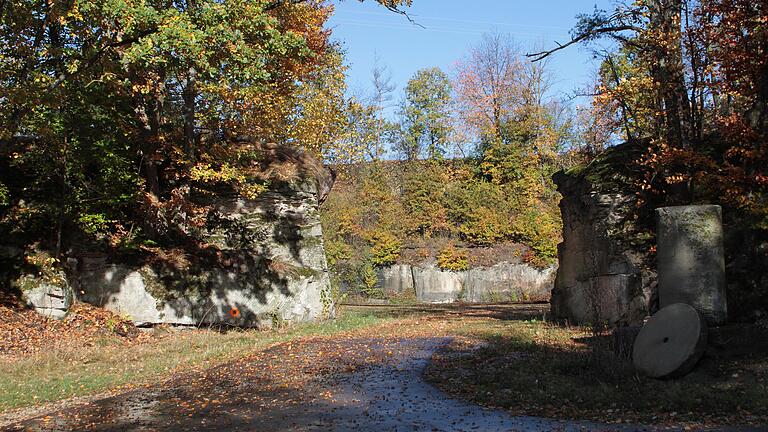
x,y
671,342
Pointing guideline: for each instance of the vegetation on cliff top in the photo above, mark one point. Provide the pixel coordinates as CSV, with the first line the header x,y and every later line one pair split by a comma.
x,y
476,153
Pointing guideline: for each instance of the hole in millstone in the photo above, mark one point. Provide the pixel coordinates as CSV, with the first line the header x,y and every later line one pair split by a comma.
x,y
666,339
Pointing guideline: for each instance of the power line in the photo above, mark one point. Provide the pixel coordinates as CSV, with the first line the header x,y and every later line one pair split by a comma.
x,y
472,31
467,21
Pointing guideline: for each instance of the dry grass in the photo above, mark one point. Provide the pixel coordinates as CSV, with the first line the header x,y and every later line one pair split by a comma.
x,y
108,364
532,367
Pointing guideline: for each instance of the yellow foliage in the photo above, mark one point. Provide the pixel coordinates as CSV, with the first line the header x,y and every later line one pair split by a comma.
x,y
385,247
453,259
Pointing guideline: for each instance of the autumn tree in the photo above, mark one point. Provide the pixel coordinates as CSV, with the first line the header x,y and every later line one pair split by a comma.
x,y
684,73
357,138
650,32
108,108
425,114
488,86
503,101
736,38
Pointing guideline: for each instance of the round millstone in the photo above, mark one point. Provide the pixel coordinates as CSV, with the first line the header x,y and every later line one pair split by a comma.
x,y
671,342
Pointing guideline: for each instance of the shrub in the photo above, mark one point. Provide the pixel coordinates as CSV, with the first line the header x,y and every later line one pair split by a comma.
x,y
479,212
423,191
540,230
370,281
453,259
4,198
336,250
385,248
93,223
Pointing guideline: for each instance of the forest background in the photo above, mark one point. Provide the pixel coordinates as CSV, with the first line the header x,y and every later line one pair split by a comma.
x,y
114,111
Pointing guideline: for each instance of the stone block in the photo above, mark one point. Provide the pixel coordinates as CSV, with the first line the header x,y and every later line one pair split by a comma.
x,y
691,262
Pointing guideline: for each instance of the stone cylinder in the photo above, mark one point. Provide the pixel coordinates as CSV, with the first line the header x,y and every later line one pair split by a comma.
x,y
691,259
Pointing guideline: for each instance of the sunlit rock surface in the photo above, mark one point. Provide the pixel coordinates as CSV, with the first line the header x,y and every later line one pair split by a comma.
x,y
265,263
501,282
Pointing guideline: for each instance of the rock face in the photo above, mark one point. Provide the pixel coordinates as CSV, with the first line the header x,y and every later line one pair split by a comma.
x,y
691,259
501,282
396,279
601,279
437,286
49,299
267,264
509,282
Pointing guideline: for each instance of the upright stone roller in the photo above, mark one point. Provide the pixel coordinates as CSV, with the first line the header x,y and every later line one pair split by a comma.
x,y
691,262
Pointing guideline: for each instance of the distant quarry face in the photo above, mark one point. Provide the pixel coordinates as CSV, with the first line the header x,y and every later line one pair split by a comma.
x,y
502,282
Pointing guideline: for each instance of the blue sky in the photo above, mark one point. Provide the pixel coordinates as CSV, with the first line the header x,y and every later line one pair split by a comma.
x,y
452,26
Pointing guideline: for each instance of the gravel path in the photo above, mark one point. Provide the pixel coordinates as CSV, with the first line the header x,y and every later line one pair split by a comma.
x,y
364,380
346,384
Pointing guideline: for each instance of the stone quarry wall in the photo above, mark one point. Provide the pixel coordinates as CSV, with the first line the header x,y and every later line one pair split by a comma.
x,y
501,282
284,279
265,264
602,278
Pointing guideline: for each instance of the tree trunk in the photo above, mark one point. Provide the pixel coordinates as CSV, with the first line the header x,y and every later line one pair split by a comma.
x,y
190,99
149,119
666,20
757,115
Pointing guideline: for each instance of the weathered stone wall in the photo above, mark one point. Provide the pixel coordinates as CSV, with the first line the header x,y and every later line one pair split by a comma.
x,y
273,269
601,278
255,262
501,282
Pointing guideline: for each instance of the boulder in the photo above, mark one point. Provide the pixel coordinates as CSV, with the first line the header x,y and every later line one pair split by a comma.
x,y
48,298
691,259
265,265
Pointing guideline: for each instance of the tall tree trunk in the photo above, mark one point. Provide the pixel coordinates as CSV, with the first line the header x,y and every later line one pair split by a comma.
x,y
190,100
757,116
148,148
148,114
670,73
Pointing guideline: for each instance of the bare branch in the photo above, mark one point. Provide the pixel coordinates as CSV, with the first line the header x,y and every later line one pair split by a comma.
x,y
582,37
405,14
390,5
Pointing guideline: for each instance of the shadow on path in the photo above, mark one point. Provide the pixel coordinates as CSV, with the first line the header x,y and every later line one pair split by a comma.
x,y
322,384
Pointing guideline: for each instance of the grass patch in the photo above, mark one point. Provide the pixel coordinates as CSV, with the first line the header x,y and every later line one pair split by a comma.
x,y
68,372
536,368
